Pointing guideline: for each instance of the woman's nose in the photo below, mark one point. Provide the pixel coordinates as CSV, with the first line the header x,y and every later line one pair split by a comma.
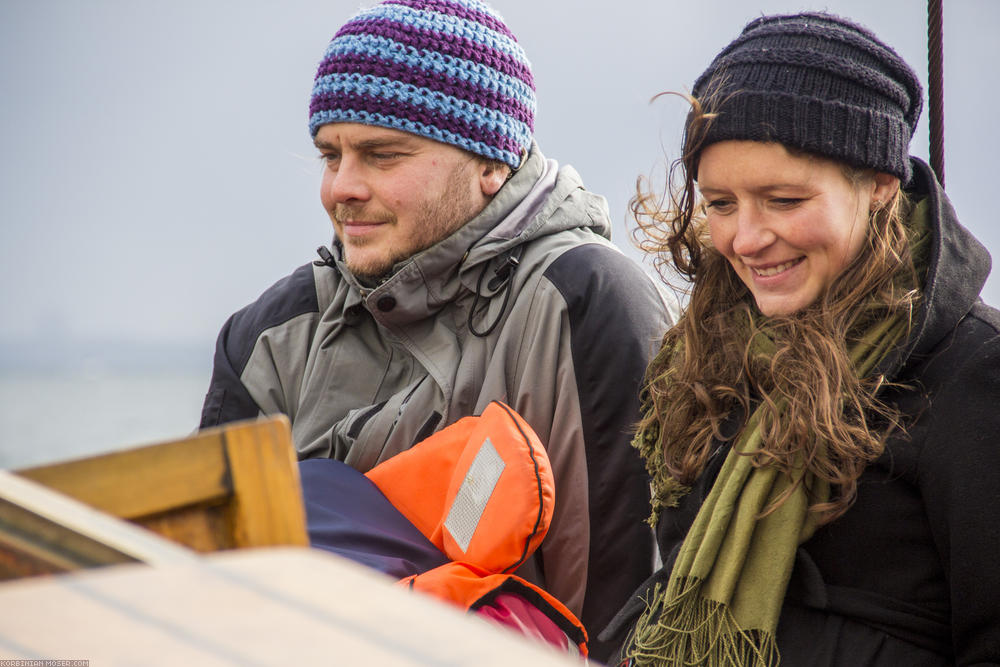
x,y
753,234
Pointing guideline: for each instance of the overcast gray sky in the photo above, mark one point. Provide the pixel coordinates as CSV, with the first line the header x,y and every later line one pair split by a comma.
x,y
157,173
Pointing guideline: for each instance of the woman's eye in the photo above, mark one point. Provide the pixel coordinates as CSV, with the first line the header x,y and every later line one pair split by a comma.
x,y
787,202
719,205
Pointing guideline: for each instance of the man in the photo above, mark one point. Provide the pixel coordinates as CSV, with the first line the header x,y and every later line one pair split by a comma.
x,y
466,268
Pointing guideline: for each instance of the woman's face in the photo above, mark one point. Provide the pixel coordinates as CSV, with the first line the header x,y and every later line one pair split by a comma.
x,y
787,224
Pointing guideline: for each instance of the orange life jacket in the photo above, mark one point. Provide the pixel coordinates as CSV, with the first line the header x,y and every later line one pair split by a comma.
x,y
482,491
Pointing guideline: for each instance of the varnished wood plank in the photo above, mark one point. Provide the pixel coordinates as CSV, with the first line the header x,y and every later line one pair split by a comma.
x,y
267,507
202,528
31,544
60,533
232,486
145,480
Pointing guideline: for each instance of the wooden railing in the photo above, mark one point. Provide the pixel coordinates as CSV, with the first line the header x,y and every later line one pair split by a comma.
x,y
230,487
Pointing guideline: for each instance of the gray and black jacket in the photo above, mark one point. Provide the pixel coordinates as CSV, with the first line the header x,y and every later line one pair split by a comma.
x,y
529,303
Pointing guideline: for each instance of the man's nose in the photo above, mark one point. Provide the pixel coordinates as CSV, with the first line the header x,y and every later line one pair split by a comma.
x,y
347,184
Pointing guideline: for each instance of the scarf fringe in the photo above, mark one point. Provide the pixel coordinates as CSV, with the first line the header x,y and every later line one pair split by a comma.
x,y
682,628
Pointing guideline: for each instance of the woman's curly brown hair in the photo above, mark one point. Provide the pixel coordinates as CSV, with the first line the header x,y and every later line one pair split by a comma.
x,y
831,417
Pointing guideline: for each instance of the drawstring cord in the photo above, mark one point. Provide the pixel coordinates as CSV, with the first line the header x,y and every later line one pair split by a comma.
x,y
502,278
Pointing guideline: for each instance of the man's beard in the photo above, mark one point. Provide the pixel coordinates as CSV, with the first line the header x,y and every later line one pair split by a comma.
x,y
436,219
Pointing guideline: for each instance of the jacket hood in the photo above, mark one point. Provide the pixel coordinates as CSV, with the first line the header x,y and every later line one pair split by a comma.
x,y
540,199
958,265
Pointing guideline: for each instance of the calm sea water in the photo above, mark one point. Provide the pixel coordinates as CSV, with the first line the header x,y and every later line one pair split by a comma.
x,y
52,416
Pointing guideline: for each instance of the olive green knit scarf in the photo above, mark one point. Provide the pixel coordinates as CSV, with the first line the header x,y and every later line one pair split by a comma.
x,y
722,601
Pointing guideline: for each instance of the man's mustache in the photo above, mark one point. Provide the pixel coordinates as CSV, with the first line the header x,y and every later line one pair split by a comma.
x,y
343,213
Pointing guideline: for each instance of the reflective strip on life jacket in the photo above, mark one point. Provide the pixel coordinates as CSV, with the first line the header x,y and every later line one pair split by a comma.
x,y
474,493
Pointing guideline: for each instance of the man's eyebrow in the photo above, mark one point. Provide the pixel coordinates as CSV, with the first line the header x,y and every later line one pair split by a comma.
x,y
366,144
382,142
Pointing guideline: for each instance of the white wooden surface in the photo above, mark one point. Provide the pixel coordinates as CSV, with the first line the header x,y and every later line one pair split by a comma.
x,y
274,606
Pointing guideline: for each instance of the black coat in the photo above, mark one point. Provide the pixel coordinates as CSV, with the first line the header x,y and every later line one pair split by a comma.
x,y
909,575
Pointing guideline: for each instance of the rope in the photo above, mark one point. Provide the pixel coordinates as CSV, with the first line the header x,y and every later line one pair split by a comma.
x,y
935,76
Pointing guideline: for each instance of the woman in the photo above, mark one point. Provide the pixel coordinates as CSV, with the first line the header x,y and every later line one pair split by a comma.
x,y
823,424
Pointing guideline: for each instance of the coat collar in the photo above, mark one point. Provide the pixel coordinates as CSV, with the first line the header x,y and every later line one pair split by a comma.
x,y
958,265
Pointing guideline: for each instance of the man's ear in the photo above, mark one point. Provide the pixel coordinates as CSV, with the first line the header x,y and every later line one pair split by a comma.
x,y
492,177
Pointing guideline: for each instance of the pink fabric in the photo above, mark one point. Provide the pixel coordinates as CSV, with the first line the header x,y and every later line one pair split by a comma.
x,y
513,611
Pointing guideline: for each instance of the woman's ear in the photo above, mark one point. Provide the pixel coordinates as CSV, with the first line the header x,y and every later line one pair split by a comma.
x,y
884,188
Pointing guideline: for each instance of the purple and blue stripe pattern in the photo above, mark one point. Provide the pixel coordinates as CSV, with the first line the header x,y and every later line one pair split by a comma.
x,y
448,70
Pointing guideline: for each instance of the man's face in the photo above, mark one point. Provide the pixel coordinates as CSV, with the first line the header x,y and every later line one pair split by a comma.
x,y
391,194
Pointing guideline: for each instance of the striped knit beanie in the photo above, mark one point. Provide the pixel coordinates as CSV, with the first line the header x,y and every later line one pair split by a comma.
x,y
448,70
818,83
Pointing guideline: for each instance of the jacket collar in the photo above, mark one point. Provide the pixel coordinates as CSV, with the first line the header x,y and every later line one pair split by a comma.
x,y
958,265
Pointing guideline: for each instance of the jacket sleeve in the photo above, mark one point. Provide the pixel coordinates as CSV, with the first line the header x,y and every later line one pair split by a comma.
x,y
960,482
594,324
227,399
247,376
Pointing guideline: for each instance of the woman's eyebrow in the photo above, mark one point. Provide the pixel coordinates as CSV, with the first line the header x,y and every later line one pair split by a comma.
x,y
757,189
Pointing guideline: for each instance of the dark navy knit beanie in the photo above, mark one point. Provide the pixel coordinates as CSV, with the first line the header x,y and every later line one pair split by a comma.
x,y
818,83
